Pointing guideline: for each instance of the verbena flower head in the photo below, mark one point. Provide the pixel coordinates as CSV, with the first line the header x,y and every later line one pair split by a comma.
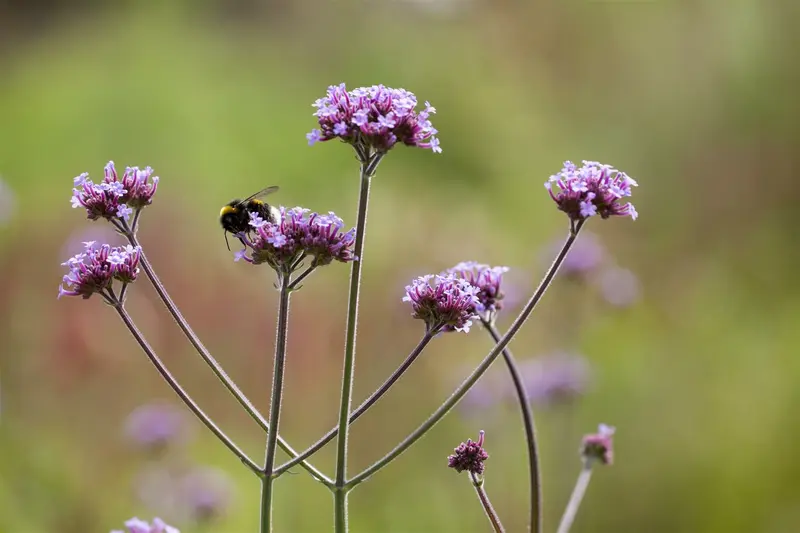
x,y
378,117
469,456
299,232
156,425
135,525
487,279
554,378
444,302
619,286
206,493
95,269
593,189
599,446
114,197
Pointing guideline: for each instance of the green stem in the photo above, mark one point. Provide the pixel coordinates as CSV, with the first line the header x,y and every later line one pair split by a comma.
x,y
535,511
368,166
216,368
275,405
575,500
170,379
484,365
487,505
391,380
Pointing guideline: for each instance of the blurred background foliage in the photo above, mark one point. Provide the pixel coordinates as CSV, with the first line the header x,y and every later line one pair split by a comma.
x,y
698,369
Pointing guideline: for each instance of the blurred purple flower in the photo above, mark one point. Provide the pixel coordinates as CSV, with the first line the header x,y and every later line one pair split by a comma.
x,y
593,189
553,378
586,255
206,493
599,446
7,202
487,280
376,117
445,303
469,456
156,425
135,525
619,286
75,242
94,270
299,232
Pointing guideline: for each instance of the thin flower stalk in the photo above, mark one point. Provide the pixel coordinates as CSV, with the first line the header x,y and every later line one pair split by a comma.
x,y
368,167
568,518
275,404
491,514
215,367
365,405
535,511
173,383
482,367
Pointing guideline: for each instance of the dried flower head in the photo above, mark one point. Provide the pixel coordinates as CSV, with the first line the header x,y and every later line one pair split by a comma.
x,y
599,446
135,525
114,197
444,302
156,425
593,189
487,279
376,117
94,270
299,233
469,456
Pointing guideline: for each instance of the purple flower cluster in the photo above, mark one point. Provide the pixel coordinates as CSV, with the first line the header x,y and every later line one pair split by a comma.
x,y
593,189
155,425
444,302
114,197
95,269
487,279
599,446
299,232
135,525
376,117
469,456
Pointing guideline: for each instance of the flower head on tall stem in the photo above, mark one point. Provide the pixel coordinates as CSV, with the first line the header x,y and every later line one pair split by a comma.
x,y
487,280
135,525
593,189
599,446
299,233
95,269
444,302
114,197
469,456
376,117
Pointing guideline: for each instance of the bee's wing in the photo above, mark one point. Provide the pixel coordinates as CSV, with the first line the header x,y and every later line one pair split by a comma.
x,y
260,194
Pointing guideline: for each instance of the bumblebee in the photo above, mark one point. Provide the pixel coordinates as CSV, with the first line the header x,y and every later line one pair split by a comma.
x,y
235,215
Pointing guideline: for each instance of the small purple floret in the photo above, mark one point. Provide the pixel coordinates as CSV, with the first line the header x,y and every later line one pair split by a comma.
x,y
135,525
299,232
593,189
599,446
487,279
376,117
469,456
444,302
114,197
96,268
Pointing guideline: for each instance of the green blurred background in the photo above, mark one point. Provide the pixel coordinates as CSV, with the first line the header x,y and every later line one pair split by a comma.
x,y
696,100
